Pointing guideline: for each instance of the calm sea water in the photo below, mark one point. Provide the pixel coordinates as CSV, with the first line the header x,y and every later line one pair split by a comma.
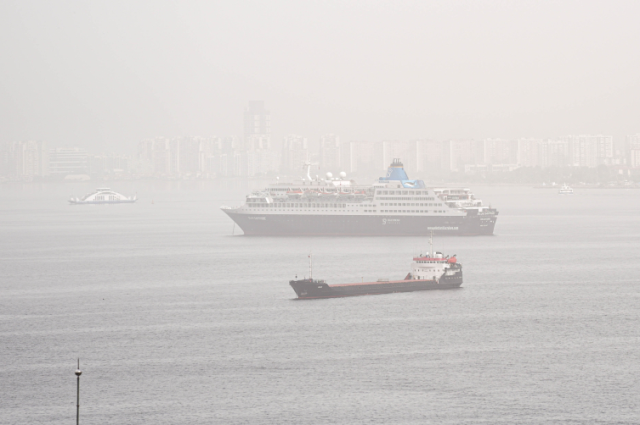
x,y
177,321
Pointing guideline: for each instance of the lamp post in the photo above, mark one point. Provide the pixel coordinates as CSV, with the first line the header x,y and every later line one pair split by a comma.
x,y
78,373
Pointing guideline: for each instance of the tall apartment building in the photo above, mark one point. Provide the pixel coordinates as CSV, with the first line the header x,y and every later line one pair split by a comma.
x,y
589,150
460,153
362,157
68,161
430,158
528,152
554,153
191,155
406,151
632,149
257,127
500,151
105,165
330,153
544,153
295,152
255,142
257,120
24,159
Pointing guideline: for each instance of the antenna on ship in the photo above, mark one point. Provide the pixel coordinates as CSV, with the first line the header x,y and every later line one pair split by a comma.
x,y
310,267
431,245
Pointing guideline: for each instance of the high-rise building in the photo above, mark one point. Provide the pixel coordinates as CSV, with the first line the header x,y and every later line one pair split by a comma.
x,y
68,161
362,157
406,151
329,153
108,165
460,153
256,142
295,152
528,152
633,150
191,155
430,160
161,158
24,160
255,156
589,150
500,151
257,121
554,153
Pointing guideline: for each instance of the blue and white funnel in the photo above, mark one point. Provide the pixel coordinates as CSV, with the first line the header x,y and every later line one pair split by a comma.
x,y
396,172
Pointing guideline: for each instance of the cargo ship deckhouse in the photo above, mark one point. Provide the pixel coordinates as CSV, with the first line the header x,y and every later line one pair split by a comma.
x,y
393,206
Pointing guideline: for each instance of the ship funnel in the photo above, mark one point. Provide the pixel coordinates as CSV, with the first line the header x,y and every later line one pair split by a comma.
x,y
396,171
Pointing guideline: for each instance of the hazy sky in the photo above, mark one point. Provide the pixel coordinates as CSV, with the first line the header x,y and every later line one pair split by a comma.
x,y
105,74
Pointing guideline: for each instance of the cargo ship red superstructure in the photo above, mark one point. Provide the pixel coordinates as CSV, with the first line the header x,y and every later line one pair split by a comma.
x,y
430,271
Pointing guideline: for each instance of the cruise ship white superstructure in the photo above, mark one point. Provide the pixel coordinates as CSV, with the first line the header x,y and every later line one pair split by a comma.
x,y
394,205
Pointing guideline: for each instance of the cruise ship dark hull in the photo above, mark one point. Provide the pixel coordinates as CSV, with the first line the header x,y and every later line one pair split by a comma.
x,y
255,224
312,289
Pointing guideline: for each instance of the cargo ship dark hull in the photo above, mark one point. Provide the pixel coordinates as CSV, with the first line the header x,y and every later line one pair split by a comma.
x,y
255,224
313,289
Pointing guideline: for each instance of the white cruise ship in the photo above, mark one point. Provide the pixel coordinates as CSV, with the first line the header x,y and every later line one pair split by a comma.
x,y
392,206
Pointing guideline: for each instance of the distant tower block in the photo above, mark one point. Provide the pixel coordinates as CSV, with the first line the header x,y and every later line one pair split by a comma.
x,y
257,125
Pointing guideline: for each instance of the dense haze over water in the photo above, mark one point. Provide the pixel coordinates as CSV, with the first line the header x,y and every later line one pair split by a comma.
x,y
105,74
178,318
177,321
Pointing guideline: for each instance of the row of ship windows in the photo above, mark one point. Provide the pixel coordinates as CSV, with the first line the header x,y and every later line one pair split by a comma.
x,y
392,211
404,211
404,198
409,205
403,192
291,205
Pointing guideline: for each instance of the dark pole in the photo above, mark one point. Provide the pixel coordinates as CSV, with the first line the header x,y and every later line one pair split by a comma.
x,y
78,373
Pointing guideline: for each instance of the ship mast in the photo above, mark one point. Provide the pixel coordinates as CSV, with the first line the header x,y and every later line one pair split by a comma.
x,y
431,245
310,267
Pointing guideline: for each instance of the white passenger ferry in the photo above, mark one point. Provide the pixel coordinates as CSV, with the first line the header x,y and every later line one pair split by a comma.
x,y
565,190
103,195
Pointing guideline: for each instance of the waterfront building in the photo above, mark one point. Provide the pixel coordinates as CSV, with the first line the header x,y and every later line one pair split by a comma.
x,y
257,120
24,160
632,149
68,161
295,152
330,153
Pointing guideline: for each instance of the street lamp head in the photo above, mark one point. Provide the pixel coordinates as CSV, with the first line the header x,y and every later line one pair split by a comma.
x,y
78,372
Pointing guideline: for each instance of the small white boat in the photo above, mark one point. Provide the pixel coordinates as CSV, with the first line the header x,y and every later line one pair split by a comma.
x,y
103,195
565,190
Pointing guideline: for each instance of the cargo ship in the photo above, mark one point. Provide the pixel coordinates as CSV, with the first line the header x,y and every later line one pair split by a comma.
x,y
428,272
335,206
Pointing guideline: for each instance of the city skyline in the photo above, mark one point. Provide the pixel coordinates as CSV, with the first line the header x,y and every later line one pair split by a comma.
x,y
214,157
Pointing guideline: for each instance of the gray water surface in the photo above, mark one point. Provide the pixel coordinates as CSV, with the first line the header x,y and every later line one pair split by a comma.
x,y
177,321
